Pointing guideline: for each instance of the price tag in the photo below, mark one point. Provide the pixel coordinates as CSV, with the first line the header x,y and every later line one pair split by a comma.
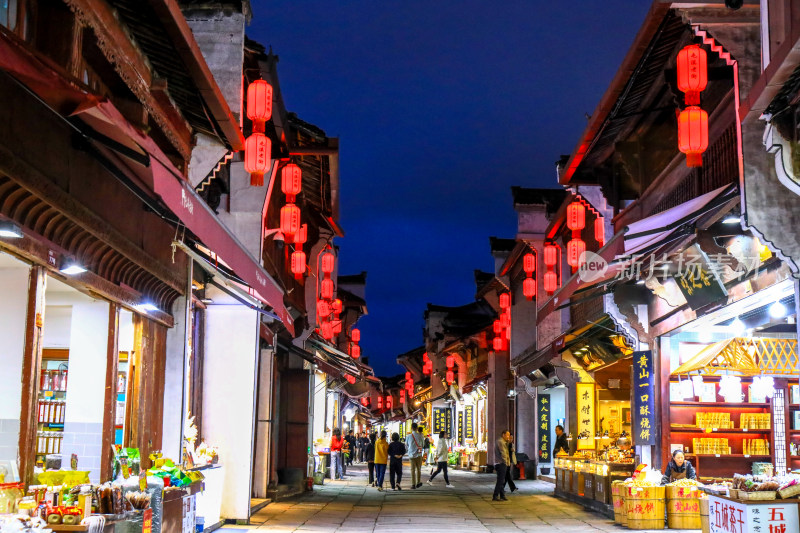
x,y
713,429
747,455
717,455
744,429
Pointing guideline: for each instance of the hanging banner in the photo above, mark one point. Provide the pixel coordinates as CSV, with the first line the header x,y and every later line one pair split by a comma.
x,y
469,422
460,427
643,400
543,425
586,415
442,420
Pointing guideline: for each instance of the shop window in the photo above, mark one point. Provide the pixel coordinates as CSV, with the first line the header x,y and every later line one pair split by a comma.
x,y
55,31
8,14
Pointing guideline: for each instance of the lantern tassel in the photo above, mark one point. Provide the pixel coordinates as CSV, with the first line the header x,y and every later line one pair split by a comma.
x,y
694,160
256,180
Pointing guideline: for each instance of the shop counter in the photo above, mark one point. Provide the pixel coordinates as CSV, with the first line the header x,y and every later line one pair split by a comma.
x,y
179,509
588,482
726,515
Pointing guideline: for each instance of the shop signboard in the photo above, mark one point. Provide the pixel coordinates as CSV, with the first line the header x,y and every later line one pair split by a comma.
x,y
586,415
469,422
543,426
643,401
460,427
698,280
442,420
730,516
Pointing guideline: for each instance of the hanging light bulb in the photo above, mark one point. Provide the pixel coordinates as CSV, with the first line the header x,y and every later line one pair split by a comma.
x,y
777,310
737,327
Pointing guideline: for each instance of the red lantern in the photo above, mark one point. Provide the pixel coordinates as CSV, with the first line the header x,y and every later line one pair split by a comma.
x,y
497,327
259,104
323,309
402,396
497,344
355,351
327,331
550,255
426,369
692,66
298,264
529,288
257,156
505,300
337,327
364,402
388,401
576,216
326,289
693,135
380,402
301,236
450,361
550,282
337,306
529,263
599,231
408,376
355,335
450,377
350,379
291,181
290,219
425,358
575,249
327,262
505,321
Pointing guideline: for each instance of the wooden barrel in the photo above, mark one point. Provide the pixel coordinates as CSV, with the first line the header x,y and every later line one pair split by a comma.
x,y
645,507
704,522
620,514
683,508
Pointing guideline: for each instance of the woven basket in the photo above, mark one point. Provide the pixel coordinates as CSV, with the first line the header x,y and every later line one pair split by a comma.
x,y
758,495
789,492
733,493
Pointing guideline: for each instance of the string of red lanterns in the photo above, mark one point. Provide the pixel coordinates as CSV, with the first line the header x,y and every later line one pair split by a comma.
x,y
692,67
409,385
576,221
550,262
427,365
258,147
328,308
529,284
502,326
450,375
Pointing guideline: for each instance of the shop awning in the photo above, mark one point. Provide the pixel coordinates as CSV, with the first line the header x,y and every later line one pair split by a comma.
x,y
341,359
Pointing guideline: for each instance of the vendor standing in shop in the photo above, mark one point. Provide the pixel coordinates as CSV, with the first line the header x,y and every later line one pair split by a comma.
x,y
678,468
561,445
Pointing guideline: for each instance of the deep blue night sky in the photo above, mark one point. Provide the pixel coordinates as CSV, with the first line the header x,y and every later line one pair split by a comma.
x,y
440,106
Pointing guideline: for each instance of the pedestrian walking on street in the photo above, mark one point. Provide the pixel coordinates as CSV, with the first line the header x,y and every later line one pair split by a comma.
x,y
426,450
351,440
510,472
381,459
336,454
396,452
502,462
369,456
414,443
441,460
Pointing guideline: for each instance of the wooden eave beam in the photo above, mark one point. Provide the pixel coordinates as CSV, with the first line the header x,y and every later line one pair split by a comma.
x,y
171,16
133,67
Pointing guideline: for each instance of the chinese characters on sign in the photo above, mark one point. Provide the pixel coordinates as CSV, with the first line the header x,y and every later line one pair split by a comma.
x,y
442,420
543,426
699,283
725,516
469,422
460,427
643,400
585,413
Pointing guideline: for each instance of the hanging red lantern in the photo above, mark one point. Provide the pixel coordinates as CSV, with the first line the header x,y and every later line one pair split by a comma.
x,y
326,289
550,255
380,402
298,264
364,402
408,376
402,396
323,308
692,66
550,282
326,329
450,377
257,156
301,236
599,231
336,305
291,181
505,321
259,104
425,358
497,327
327,262
355,335
693,135
355,351
505,300
350,379
575,249
337,327
426,369
529,288
388,401
497,344
529,263
576,216
450,361
290,219
507,333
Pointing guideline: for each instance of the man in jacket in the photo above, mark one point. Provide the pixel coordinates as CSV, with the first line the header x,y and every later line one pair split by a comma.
x,y
502,462
562,444
414,442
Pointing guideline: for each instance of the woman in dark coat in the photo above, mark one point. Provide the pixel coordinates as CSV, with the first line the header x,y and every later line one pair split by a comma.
x,y
369,455
678,468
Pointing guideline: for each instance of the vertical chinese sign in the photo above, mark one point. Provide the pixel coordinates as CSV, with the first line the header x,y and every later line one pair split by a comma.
x,y
469,422
442,421
586,413
543,423
460,438
643,400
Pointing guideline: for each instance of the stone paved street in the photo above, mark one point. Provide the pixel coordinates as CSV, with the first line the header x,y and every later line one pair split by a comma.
x,y
351,506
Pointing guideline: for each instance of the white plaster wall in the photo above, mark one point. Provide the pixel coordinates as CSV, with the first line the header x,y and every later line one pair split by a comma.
x,y
231,344
58,323
173,383
126,335
14,295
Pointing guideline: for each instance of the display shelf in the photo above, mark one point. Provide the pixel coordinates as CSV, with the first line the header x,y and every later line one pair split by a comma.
x,y
722,404
734,430
732,455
